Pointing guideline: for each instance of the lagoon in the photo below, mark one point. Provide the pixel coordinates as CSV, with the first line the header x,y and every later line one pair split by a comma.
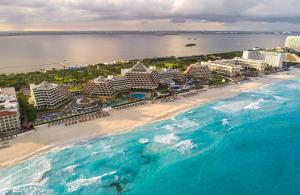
x,y
35,51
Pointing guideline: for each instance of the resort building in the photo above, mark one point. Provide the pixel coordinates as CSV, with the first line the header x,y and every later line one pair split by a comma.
x,y
169,74
82,103
49,95
273,58
249,64
292,58
9,112
141,77
109,86
293,42
198,71
225,67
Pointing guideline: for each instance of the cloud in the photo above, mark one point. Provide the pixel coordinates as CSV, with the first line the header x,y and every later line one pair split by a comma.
x,y
27,12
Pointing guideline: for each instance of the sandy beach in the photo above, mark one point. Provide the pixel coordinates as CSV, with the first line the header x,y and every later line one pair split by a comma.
x,y
120,121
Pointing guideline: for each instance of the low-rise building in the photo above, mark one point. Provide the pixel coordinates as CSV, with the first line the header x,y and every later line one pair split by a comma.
x,y
198,71
141,77
249,64
169,74
273,58
109,86
9,111
225,67
49,95
82,103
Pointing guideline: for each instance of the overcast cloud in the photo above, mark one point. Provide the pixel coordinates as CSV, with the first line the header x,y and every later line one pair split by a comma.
x,y
149,14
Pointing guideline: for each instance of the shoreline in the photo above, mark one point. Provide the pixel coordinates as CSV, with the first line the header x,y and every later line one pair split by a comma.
x,y
45,138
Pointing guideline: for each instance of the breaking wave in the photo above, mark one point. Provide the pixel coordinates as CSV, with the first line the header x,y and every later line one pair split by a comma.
x,y
239,106
225,121
70,169
83,182
143,141
30,177
185,145
166,139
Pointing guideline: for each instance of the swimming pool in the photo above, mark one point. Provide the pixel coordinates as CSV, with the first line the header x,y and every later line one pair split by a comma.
x,y
139,96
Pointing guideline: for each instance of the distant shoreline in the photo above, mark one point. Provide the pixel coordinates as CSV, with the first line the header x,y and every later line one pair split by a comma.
x,y
158,33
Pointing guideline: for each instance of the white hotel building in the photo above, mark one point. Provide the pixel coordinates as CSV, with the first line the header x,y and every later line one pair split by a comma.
x,y
293,42
249,64
109,86
273,58
226,67
49,95
9,111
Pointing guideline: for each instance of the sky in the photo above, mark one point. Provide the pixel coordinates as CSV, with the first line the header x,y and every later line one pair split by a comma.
x,y
47,15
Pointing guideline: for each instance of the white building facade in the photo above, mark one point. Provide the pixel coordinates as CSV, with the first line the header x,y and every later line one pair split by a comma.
x,y
273,58
293,42
9,111
225,67
249,64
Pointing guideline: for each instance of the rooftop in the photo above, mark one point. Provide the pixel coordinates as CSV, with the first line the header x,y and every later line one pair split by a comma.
x,y
225,62
138,67
43,86
266,50
109,78
8,100
197,64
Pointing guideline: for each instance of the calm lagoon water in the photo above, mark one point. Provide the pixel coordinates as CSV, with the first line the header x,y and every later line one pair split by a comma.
x,y
248,144
24,53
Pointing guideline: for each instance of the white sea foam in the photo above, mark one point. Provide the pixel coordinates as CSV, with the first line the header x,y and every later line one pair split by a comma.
x,y
31,189
170,128
88,146
185,145
70,169
75,185
61,148
107,148
95,153
279,99
254,105
231,107
239,105
187,124
166,139
29,176
293,86
225,121
143,141
83,182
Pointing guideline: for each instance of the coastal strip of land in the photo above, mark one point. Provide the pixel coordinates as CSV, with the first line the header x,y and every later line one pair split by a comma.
x,y
121,121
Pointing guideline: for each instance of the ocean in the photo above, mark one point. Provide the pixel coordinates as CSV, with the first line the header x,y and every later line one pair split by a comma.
x,y
26,52
247,144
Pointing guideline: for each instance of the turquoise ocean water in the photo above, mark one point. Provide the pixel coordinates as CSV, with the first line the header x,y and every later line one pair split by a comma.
x,y
248,144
